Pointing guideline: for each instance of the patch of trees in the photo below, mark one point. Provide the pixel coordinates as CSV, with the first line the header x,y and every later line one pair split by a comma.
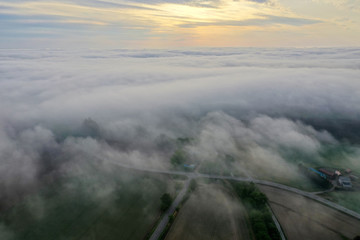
x,y
212,167
192,185
256,204
251,195
178,158
184,141
229,159
263,225
166,201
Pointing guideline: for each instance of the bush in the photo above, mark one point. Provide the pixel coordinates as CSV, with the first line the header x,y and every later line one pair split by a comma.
x,y
193,185
166,201
178,158
260,217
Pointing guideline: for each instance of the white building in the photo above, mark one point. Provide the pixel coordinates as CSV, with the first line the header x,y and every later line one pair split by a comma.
x,y
345,182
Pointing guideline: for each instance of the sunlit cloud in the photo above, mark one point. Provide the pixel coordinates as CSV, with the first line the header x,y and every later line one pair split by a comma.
x,y
170,20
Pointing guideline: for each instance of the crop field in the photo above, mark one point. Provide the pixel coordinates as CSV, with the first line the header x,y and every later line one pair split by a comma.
x,y
210,213
88,207
303,218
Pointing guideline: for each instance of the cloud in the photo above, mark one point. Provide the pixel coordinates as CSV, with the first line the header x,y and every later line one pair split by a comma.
x,y
309,82
198,3
110,4
258,144
289,134
21,162
265,20
252,103
258,1
348,4
73,117
170,22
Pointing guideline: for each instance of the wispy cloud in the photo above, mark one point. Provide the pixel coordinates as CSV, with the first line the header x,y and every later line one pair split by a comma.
x,y
165,21
261,21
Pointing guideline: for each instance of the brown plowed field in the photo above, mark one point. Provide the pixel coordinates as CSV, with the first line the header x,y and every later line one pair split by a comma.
x,y
303,218
210,214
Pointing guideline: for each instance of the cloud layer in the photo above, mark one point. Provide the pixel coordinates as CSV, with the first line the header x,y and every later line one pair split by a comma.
x,y
259,102
245,111
58,86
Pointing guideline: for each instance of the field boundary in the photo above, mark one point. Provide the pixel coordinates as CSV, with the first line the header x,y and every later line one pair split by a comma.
x,y
246,179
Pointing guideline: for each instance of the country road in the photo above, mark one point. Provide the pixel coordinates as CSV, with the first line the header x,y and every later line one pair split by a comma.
x,y
192,175
164,221
277,224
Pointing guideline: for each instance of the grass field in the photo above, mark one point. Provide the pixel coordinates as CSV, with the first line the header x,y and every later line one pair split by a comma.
x,y
218,168
118,205
210,213
301,182
348,199
303,218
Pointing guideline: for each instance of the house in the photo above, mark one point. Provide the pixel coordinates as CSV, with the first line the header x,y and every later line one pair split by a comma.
x,y
345,182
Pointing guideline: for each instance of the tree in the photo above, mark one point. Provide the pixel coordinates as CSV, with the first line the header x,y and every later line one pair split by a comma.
x,y
258,199
178,158
166,201
193,185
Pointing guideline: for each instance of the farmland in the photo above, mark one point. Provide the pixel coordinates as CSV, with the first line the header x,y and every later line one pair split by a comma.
x,y
303,218
299,181
120,205
210,213
348,199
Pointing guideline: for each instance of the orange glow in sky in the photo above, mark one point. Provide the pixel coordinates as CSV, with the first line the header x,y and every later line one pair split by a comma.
x,y
188,23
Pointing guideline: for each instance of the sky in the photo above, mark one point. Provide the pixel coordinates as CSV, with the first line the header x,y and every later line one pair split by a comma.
x,y
178,23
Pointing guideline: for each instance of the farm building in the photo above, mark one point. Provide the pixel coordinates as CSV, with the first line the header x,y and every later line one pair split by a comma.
x,y
345,182
330,174
319,173
189,166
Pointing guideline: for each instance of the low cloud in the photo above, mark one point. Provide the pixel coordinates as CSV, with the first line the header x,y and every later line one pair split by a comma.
x,y
258,144
314,81
259,111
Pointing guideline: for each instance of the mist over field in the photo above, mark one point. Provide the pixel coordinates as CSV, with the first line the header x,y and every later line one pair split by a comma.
x,y
248,111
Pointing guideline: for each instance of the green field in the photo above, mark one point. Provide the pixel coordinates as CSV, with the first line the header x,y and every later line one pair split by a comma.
x,y
115,205
301,182
224,168
348,199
